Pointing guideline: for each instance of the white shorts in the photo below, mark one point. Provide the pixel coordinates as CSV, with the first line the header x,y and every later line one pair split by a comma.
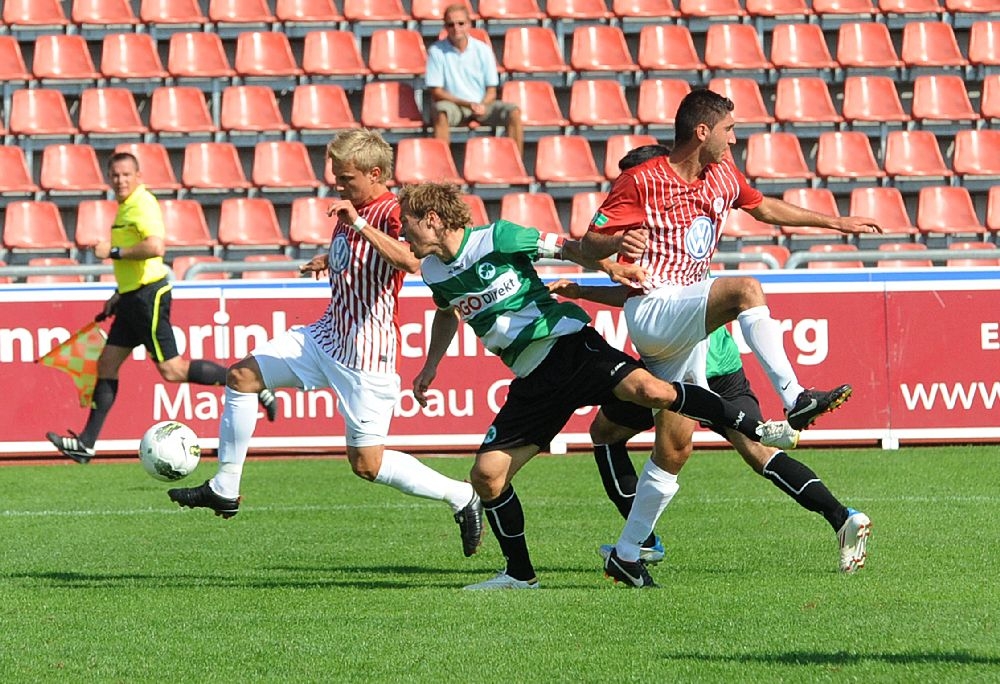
x,y
667,327
366,400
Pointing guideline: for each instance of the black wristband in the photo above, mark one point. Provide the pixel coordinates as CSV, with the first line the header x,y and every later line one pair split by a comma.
x,y
115,253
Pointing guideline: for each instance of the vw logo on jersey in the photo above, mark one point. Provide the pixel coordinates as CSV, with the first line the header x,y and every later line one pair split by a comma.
x,y
700,238
340,254
487,271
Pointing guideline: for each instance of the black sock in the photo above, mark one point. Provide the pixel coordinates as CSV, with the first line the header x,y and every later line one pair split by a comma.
x,y
206,373
705,406
619,478
105,392
798,481
506,518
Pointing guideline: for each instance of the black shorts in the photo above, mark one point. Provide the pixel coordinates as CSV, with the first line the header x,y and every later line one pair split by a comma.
x,y
143,317
582,369
732,386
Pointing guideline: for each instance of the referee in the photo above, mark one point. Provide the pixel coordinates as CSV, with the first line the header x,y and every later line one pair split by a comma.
x,y
140,307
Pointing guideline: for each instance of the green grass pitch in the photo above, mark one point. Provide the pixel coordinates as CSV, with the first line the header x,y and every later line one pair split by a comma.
x,y
325,578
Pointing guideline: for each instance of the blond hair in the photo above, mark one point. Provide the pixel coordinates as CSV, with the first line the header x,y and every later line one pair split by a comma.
x,y
444,199
366,148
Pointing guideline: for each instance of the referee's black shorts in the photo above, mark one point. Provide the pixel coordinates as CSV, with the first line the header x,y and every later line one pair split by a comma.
x,y
143,317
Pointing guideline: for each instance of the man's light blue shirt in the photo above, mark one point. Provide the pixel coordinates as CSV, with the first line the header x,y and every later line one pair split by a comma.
x,y
466,75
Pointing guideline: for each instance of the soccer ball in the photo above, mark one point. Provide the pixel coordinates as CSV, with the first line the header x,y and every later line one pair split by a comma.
x,y
169,451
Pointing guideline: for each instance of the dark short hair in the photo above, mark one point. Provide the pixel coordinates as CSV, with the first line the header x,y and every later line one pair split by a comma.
x,y
123,156
700,106
638,155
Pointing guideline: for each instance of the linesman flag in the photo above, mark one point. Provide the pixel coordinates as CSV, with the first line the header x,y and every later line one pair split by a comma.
x,y
78,357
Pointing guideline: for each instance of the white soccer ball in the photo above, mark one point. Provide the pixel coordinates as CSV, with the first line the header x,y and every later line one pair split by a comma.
x,y
169,451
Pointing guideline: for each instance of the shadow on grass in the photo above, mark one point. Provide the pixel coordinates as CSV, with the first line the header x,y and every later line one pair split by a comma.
x,y
842,658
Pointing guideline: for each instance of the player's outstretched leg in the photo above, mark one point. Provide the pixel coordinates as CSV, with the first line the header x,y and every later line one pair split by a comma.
x,y
204,497
853,538
811,404
470,524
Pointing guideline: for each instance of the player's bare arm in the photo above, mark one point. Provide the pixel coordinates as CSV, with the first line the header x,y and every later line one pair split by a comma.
x,y
599,245
780,213
609,295
395,252
443,329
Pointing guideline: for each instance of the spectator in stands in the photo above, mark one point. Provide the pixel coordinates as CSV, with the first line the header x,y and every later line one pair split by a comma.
x,y
462,81
140,306
352,348
667,213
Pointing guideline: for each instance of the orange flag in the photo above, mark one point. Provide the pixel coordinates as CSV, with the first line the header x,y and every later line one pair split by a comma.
x,y
78,357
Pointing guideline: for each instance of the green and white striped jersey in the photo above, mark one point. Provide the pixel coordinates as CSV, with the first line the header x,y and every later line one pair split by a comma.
x,y
493,284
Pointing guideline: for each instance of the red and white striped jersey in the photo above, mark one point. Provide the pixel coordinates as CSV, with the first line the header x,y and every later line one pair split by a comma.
x,y
360,328
684,219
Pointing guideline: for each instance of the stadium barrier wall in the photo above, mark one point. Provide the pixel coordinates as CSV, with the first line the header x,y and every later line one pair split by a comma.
x,y
921,348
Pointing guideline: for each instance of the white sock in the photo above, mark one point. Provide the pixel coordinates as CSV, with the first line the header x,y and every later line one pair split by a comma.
x,y
654,490
763,335
239,418
410,476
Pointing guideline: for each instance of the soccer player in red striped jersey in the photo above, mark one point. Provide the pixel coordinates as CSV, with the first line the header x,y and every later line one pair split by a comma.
x,y
352,348
668,213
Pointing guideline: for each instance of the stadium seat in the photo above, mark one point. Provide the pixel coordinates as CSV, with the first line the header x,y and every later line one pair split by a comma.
x,y
832,247
573,13
993,209
250,109
249,222
803,105
735,50
300,17
96,17
948,211
989,100
601,49
64,62
750,111
334,55
154,165
668,50
780,254
929,46
284,167
913,158
564,163
965,262
597,105
55,277
367,16
767,15
34,227
834,13
131,60
181,264
898,13
179,112
582,209
540,111
16,178
984,47
235,17
266,58
109,114
800,49
397,53
320,110
290,270
633,15
40,113
775,161
532,209
658,101
618,146
391,105
26,18
965,13
867,48
941,103
185,225
886,206
493,162
429,14
700,14
846,156
197,56
496,16
477,209
171,15
819,200
741,226
534,50
13,70
976,159
420,160
873,101
897,247
310,227
213,167
71,170
94,219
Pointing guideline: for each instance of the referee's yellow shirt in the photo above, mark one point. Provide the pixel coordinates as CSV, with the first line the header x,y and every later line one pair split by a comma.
x,y
138,217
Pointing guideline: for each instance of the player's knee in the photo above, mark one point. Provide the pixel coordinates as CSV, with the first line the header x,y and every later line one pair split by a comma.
x,y
242,379
364,470
487,485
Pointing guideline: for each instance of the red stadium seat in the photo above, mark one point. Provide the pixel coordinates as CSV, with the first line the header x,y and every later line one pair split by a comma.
x,y
668,50
185,224
776,159
198,56
898,247
179,111
391,105
750,111
171,13
800,48
966,262
131,58
815,199
658,101
767,15
846,156
291,271
532,209
949,211
16,178
993,209
397,53
234,17
71,170
94,219
601,49
804,104
565,162
930,45
735,49
537,102
56,277
887,207
283,166
976,160
266,58
421,160
941,102
741,226
477,209
989,101
499,15
300,17
250,109
867,46
778,252
534,50
40,112
835,13
249,222
109,113
213,167
914,156
567,13
321,110
64,61
599,104
309,225
582,210
25,15
633,15
12,66
154,165
984,46
34,227
366,16
872,100
618,146
493,162
181,264
831,247
699,14
333,54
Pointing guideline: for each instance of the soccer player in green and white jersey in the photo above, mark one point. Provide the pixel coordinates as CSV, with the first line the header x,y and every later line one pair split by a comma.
x,y
486,277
